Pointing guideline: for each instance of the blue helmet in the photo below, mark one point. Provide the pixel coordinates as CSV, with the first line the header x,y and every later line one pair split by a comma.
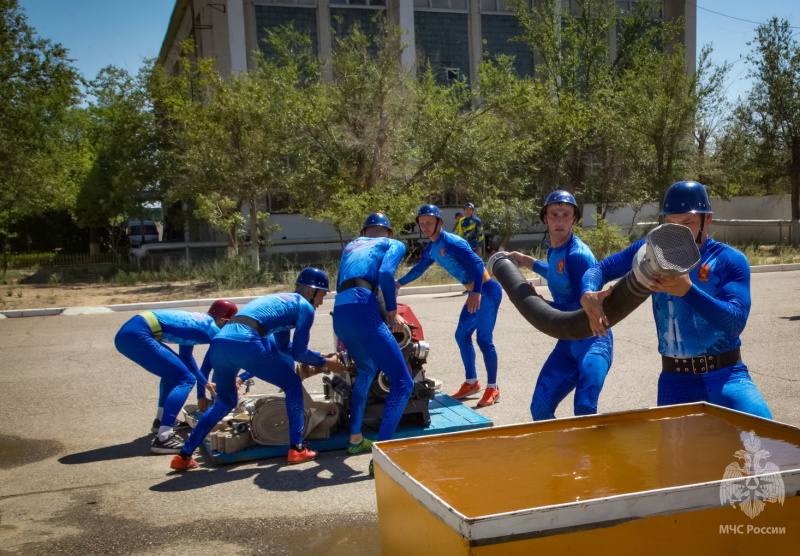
x,y
314,278
469,206
686,197
429,210
377,219
560,196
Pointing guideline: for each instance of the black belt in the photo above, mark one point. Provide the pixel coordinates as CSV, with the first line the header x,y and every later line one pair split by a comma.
x,y
366,284
356,283
249,322
701,364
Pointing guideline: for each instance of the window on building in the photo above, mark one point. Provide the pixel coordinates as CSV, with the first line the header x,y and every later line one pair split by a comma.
x,y
451,74
288,2
498,6
278,202
450,5
358,2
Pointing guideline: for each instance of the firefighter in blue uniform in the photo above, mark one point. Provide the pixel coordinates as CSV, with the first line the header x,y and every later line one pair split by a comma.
x,y
699,316
365,308
479,313
142,340
581,365
258,340
470,228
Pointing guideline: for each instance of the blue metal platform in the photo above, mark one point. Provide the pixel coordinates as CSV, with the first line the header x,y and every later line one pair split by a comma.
x,y
447,415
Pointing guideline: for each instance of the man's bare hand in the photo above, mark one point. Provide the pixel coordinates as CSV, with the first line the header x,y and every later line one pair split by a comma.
x,y
673,285
592,303
397,322
334,365
473,302
522,259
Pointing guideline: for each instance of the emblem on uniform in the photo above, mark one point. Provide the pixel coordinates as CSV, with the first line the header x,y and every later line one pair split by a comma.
x,y
441,251
561,266
703,273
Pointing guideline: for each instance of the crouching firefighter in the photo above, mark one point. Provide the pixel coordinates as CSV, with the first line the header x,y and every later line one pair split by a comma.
x,y
258,340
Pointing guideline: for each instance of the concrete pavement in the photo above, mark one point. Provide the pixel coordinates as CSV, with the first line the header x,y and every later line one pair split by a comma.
x,y
76,475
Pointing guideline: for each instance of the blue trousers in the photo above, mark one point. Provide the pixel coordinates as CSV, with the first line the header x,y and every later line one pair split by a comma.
x,y
482,321
581,365
135,341
261,358
371,345
729,387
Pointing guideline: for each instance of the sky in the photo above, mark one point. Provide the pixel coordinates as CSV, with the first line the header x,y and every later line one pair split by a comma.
x,y
123,33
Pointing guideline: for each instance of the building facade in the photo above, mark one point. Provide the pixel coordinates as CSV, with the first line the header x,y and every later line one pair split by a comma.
x,y
453,35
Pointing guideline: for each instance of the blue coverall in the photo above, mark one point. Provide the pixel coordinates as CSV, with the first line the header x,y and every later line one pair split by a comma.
x,y
270,358
456,257
579,364
139,342
707,320
360,326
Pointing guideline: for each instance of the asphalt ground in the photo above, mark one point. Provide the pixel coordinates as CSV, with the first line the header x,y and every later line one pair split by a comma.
x,y
76,475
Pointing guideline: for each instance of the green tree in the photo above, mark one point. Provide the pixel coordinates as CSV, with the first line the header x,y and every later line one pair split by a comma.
x,y
37,86
125,149
373,138
231,146
773,113
621,115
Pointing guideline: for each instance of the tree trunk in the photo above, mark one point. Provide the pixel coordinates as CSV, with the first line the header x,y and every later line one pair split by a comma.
x,y
233,243
94,241
255,244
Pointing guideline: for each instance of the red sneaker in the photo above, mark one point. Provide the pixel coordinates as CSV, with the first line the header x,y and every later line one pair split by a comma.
x,y
490,396
183,464
467,390
299,456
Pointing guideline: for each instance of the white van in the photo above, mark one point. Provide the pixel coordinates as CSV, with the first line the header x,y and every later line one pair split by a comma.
x,y
138,235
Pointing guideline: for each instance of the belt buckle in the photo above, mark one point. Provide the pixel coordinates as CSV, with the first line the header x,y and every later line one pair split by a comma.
x,y
704,368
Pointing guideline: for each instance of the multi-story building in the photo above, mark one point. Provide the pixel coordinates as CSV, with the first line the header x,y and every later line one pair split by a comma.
x,y
453,35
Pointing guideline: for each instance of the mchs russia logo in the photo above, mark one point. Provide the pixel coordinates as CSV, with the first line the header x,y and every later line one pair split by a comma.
x,y
757,482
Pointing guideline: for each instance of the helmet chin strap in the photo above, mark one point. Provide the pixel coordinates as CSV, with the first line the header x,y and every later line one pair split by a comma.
x,y
702,226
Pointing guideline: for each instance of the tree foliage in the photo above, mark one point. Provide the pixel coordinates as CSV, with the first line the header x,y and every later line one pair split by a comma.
x,y
37,86
125,150
772,113
230,145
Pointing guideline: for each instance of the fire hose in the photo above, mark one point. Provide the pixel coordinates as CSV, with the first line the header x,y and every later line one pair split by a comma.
x,y
669,250
269,423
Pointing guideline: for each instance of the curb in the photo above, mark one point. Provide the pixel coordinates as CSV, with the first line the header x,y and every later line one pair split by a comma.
x,y
96,310
418,290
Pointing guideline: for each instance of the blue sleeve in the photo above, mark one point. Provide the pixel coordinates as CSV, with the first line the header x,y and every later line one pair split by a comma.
x,y
185,353
728,311
418,269
578,262
464,253
541,268
479,231
283,339
386,274
205,370
245,376
302,335
612,267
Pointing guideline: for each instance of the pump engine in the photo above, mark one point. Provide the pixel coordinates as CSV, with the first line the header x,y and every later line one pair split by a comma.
x,y
415,352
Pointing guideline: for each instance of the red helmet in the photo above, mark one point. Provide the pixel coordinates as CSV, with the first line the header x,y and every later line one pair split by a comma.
x,y
223,309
